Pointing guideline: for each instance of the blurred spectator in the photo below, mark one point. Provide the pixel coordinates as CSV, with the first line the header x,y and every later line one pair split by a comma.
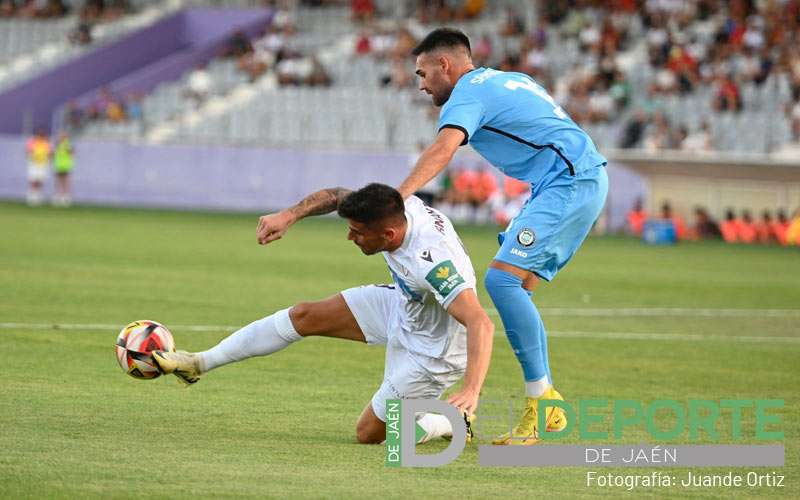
x,y
463,180
700,140
483,187
399,77
81,35
726,94
103,10
635,218
747,228
298,70
704,226
63,163
679,136
482,50
472,9
133,106
198,85
677,221
780,227
115,112
7,8
764,232
620,90
513,24
684,67
659,134
515,194
793,113
634,130
38,149
238,45
793,231
99,107
730,227
363,10
74,116
363,47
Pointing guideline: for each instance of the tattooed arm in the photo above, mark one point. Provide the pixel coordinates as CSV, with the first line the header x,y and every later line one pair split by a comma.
x,y
273,226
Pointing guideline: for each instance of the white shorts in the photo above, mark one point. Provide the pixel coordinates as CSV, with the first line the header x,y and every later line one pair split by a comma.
x,y
378,310
37,173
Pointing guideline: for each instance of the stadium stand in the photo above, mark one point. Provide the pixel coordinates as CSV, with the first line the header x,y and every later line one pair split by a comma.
x,y
31,46
693,76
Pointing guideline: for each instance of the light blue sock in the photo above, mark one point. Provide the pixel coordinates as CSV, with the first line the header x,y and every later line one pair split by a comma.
x,y
522,322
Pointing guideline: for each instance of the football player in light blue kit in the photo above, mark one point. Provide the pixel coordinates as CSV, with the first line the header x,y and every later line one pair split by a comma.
x,y
512,122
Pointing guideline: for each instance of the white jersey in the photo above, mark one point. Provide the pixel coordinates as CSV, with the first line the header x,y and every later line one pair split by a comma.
x,y
430,269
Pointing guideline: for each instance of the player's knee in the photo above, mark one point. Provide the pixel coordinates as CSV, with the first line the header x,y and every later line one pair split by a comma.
x,y
495,280
303,318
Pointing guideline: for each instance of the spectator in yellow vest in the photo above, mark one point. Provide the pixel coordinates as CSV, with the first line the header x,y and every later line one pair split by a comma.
x,y
63,162
38,149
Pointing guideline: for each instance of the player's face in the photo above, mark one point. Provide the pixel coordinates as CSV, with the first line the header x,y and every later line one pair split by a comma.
x,y
432,72
369,240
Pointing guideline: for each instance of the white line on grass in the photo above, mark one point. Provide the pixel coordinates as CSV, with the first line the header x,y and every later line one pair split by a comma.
x,y
691,337
665,311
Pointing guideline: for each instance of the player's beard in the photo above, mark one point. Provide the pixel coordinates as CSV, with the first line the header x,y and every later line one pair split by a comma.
x,y
440,99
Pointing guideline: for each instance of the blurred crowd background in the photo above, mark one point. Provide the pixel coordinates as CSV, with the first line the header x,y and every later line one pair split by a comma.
x,y
703,77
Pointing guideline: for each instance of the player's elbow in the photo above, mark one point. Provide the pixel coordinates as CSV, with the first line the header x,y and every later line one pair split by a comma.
x,y
481,324
487,326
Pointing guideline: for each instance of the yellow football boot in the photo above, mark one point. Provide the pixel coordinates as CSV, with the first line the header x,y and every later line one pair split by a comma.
x,y
182,364
525,433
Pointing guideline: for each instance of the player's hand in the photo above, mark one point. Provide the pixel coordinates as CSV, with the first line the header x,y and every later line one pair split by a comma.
x,y
272,227
465,400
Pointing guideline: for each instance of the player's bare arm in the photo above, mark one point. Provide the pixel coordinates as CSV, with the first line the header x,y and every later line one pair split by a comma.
x,y
480,332
273,226
433,160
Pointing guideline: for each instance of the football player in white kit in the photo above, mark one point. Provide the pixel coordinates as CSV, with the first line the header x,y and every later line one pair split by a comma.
x,y
430,320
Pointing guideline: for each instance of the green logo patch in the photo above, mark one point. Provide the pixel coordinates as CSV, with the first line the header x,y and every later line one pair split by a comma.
x,y
444,278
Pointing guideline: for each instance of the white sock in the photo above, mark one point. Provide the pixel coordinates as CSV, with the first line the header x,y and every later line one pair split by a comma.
x,y
434,426
259,338
536,388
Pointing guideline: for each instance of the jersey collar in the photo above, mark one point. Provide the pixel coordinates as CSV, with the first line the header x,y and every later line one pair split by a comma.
x,y
407,237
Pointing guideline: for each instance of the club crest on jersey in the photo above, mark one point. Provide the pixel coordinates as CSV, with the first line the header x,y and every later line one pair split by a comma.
x,y
526,237
426,255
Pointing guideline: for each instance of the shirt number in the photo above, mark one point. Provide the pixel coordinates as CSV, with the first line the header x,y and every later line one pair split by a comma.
x,y
539,91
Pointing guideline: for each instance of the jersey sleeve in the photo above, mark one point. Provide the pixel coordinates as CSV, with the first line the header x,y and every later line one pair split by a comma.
x,y
442,277
463,112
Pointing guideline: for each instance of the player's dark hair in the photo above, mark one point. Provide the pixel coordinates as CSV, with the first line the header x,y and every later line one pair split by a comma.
x,y
372,203
442,38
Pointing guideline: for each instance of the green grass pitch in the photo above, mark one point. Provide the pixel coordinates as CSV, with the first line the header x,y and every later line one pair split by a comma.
x,y
73,425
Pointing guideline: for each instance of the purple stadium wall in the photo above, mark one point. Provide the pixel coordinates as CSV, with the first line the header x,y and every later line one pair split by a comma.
x,y
240,179
192,177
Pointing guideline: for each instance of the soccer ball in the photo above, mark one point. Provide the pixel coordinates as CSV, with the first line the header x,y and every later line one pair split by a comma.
x,y
135,343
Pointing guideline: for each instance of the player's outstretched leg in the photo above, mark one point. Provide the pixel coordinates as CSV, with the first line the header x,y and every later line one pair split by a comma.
x,y
525,331
330,317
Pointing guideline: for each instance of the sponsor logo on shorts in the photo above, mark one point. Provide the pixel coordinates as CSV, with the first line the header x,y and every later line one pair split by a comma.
x,y
520,253
526,237
444,278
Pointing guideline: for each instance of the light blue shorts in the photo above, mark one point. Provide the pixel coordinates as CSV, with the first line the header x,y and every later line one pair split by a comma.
x,y
553,223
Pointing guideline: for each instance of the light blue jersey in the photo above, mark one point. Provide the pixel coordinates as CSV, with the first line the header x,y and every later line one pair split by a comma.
x,y
512,122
